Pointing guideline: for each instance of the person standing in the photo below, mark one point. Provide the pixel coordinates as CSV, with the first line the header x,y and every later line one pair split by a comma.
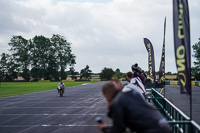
x,y
134,84
139,73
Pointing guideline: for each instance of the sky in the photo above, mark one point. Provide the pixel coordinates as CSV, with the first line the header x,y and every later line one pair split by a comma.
x,y
102,33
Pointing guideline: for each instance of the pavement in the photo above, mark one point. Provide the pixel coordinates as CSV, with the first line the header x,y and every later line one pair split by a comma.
x,y
47,112
182,101
75,112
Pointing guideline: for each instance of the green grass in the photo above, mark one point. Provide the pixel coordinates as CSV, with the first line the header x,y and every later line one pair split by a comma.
x,y
19,88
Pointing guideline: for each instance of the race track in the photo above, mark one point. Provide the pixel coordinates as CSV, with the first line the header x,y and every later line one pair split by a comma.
x,y
182,101
47,112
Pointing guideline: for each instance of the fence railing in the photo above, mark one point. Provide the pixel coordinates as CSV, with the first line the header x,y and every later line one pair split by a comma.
x,y
179,122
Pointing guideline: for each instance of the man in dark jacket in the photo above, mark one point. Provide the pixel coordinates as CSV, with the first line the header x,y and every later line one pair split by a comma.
x,y
130,110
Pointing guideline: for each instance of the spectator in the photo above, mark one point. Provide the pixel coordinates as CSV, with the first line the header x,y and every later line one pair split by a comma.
x,y
117,84
130,110
144,77
138,82
134,84
135,70
139,73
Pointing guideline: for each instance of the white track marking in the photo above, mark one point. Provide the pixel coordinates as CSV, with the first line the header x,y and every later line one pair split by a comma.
x,y
48,125
54,114
86,83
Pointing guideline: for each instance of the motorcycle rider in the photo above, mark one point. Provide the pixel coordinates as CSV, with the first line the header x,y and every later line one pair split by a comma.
x,y
61,85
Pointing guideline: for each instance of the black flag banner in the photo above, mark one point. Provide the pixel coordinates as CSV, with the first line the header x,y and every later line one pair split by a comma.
x,y
161,78
151,60
182,43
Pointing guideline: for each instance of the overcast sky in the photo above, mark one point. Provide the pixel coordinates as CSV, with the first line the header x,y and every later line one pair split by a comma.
x,y
103,33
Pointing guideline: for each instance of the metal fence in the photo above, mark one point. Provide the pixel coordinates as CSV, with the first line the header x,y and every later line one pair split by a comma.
x,y
179,122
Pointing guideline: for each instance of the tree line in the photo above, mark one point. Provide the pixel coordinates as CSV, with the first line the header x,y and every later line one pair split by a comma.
x,y
196,69
39,57
48,58
105,74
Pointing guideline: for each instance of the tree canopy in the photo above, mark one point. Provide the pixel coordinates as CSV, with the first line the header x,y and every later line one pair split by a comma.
x,y
107,73
118,74
39,57
8,68
86,72
196,68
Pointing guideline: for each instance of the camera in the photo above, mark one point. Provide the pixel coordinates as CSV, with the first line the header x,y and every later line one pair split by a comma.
x,y
99,120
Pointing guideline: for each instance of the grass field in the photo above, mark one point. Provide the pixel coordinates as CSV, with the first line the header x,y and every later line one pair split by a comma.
x,y
19,88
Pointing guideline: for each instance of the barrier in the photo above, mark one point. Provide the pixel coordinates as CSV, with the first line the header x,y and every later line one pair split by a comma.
x,y
79,80
172,82
95,80
176,82
44,81
103,80
193,83
179,122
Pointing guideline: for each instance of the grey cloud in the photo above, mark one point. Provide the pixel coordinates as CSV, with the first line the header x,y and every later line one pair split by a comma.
x,y
107,34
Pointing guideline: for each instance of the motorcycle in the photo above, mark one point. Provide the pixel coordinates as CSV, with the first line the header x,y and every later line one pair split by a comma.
x,y
61,90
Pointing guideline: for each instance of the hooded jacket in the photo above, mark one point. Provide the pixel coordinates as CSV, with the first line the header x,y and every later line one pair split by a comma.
x,y
129,109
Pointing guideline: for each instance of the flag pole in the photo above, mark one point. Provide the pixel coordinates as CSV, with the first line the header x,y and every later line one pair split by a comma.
x,y
191,104
164,55
190,84
182,47
161,78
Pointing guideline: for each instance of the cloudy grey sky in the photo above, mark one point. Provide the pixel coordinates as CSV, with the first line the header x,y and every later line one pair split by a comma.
x,y
103,33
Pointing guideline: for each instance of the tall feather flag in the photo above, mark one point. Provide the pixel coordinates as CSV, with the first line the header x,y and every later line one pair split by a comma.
x,y
182,44
151,60
161,78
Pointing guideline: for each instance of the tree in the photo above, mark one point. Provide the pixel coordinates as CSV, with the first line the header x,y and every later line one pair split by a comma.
x,y
52,69
196,68
63,53
26,74
194,72
40,50
118,74
52,64
20,50
72,72
3,66
86,72
8,68
157,73
107,73
168,73
40,57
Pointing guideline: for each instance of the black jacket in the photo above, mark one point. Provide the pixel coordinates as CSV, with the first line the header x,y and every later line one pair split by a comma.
x,y
129,109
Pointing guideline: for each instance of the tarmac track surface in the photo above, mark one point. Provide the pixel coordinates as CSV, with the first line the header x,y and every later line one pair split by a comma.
x,y
47,112
182,101
75,112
